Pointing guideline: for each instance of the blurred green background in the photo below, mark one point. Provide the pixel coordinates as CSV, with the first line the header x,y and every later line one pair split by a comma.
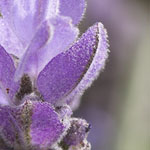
x,y
118,103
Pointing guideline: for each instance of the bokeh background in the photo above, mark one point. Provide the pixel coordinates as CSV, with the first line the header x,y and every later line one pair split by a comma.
x,y
118,103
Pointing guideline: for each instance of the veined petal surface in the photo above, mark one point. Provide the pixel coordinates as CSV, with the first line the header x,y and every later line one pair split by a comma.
x,y
25,16
74,69
73,8
29,14
45,10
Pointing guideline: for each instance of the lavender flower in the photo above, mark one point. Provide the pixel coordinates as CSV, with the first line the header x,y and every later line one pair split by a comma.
x,y
44,70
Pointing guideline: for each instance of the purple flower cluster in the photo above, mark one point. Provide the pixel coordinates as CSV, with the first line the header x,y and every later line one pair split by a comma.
x,y
44,70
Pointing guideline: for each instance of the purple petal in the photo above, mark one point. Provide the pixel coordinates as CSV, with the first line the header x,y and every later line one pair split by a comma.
x,y
71,72
29,63
5,7
28,15
45,10
25,16
53,37
73,8
7,70
98,63
46,127
9,130
9,40
64,34
18,15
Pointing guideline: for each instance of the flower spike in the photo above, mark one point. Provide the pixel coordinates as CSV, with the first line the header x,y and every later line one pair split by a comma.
x,y
44,70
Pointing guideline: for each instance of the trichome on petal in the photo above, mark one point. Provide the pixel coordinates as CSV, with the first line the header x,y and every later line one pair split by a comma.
x,y
44,70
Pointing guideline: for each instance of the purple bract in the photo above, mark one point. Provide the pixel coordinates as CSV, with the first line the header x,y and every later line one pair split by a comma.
x,y
44,70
